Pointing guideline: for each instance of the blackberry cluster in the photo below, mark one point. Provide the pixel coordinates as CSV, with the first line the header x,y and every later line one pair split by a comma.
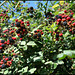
x,y
50,16
22,31
4,15
6,62
30,10
2,45
59,35
66,21
37,34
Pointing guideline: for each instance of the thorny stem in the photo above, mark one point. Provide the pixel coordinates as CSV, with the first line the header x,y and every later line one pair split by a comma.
x,y
2,3
46,8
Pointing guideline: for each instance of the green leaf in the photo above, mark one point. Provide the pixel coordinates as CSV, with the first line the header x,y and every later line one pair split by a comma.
x,y
61,56
66,34
54,26
55,65
61,12
49,62
12,13
31,43
52,64
73,66
37,59
23,43
55,6
23,47
25,69
32,70
60,62
36,28
66,53
57,12
6,72
4,28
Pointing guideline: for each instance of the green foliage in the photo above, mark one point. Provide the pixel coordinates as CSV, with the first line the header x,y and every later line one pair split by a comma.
x,y
37,47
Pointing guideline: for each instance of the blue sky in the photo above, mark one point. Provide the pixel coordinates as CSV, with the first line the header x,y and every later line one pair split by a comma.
x,y
33,3
29,3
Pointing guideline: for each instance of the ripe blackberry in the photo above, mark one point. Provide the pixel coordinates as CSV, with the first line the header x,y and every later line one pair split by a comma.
x,y
54,19
31,16
39,34
9,57
16,56
48,13
4,11
15,45
31,8
8,29
57,35
11,40
35,36
59,17
2,41
4,61
3,66
39,39
27,8
17,31
10,37
1,51
22,19
18,24
3,45
74,31
20,36
71,16
27,11
65,23
35,31
52,15
31,11
31,34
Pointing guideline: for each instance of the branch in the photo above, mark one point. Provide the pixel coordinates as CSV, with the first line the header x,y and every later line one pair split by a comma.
x,y
17,4
2,3
46,8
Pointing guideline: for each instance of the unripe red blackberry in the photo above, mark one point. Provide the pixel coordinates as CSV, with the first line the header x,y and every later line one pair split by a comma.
x,y
68,18
60,34
65,11
16,20
74,24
